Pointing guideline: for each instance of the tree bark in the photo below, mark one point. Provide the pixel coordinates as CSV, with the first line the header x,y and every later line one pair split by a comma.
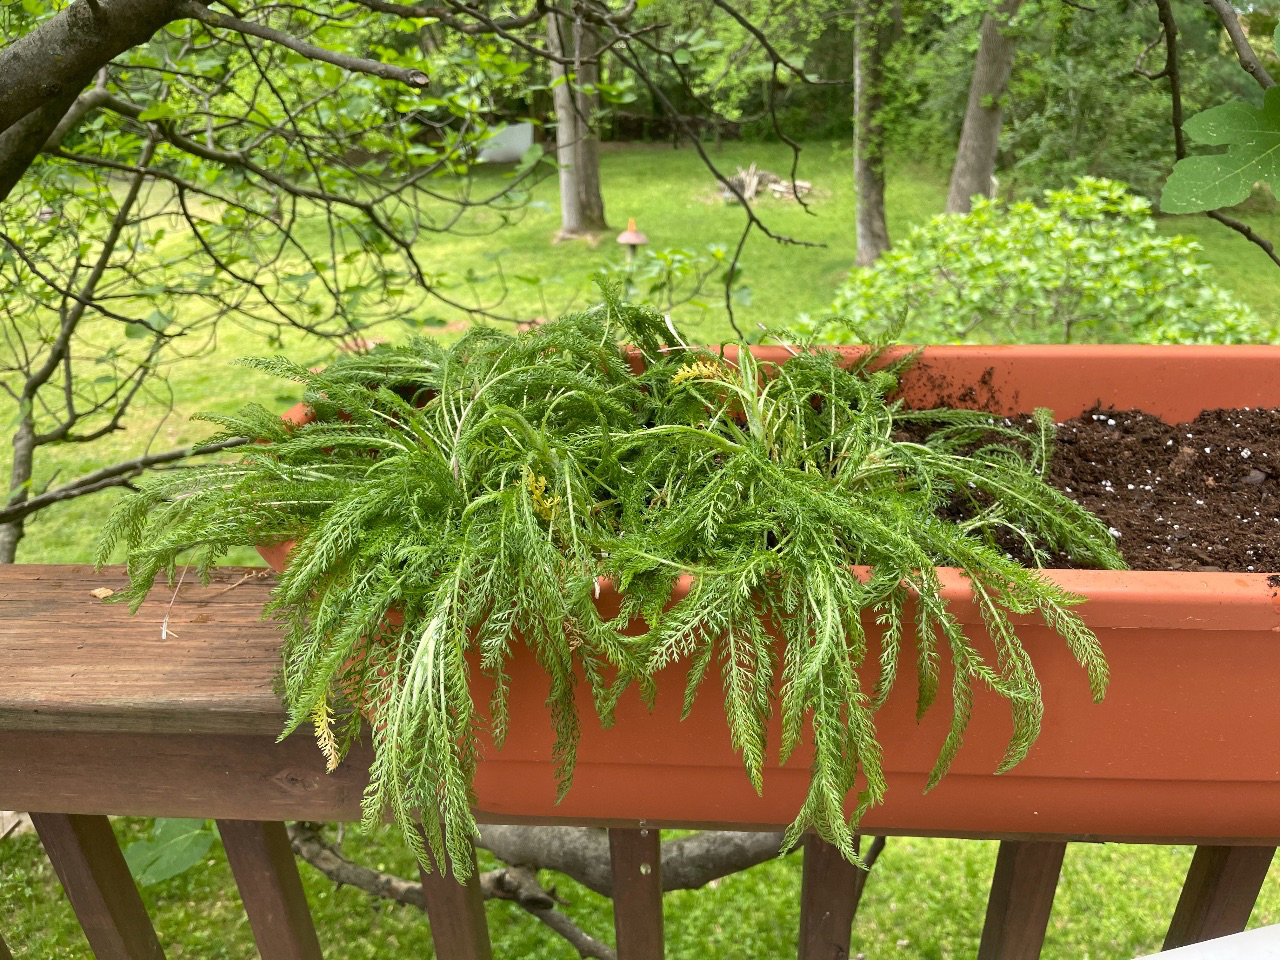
x,y
59,59
23,141
577,149
980,136
582,853
24,449
872,36
590,201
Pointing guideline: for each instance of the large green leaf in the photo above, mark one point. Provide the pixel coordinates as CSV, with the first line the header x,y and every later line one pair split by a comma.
x,y
175,847
1208,182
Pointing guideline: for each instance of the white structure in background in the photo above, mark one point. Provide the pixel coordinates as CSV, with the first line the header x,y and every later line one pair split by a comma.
x,y
508,144
1260,944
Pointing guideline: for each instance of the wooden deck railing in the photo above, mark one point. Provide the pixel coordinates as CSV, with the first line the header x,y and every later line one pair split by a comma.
x,y
171,713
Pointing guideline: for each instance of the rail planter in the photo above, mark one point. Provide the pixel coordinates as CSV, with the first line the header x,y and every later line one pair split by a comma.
x,y
1185,744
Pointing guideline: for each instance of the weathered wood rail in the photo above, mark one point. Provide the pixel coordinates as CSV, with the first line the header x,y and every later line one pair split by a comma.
x,y
171,713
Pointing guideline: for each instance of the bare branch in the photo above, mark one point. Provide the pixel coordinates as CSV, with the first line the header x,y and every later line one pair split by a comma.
x,y
1140,67
517,884
1261,242
38,377
405,75
416,11
117,475
630,60
774,55
1248,58
583,853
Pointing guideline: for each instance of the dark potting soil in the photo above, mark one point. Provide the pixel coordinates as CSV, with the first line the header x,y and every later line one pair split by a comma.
x,y
1203,495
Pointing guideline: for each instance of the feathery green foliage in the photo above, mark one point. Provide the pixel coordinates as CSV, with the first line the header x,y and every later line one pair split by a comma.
x,y
461,500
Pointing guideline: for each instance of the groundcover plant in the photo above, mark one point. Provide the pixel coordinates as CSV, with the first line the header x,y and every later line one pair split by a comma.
x,y
455,501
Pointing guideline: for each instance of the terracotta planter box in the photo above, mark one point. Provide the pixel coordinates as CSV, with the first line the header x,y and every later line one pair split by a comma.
x,y
1186,744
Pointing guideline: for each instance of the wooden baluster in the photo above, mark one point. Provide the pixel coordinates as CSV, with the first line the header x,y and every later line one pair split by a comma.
x,y
456,913
91,867
830,888
636,863
1022,891
1218,895
267,875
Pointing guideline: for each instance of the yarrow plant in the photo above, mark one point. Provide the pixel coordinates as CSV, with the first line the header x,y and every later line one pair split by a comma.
x,y
454,502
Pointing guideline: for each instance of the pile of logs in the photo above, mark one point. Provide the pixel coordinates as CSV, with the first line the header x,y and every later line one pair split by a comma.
x,y
749,182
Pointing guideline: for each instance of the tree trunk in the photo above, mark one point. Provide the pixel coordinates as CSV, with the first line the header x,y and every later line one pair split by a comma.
x,y
980,136
872,35
577,149
24,447
590,201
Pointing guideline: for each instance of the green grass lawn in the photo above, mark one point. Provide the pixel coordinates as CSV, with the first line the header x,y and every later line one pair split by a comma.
x,y
926,897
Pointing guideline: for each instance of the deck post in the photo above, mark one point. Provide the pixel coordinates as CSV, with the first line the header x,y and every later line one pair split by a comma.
x,y
830,889
1022,890
266,874
636,863
96,878
1219,893
456,912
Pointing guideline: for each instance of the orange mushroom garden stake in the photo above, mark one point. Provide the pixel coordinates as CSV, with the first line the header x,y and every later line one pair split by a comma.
x,y
632,238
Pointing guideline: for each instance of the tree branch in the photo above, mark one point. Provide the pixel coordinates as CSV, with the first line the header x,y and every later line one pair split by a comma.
x,y
415,11
1248,59
1172,70
22,142
87,101
62,290
60,57
1140,67
406,75
38,377
583,853
117,475
517,884
1262,243
240,159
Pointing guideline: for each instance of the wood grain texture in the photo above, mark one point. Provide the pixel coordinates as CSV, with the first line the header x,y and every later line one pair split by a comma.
x,y
455,910
73,661
635,857
184,775
830,888
91,867
1022,890
266,874
1219,893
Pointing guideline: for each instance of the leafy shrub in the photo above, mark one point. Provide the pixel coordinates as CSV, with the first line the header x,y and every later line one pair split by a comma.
x,y
1085,265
